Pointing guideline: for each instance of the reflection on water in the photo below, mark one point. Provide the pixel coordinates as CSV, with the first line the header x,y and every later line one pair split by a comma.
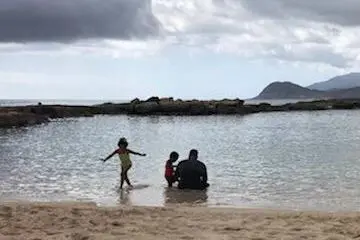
x,y
170,195
176,196
124,197
292,160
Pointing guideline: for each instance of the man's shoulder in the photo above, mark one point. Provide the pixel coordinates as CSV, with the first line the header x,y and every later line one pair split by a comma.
x,y
183,162
201,163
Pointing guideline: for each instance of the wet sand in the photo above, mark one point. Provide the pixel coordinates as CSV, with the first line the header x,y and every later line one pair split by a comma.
x,y
71,220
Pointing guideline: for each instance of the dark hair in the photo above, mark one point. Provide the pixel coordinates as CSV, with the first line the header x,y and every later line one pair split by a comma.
x,y
123,141
193,152
174,154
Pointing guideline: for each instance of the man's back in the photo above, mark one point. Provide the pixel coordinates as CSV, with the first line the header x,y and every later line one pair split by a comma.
x,y
192,174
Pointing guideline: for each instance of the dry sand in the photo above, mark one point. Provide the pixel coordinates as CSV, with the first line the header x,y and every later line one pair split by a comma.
x,y
87,221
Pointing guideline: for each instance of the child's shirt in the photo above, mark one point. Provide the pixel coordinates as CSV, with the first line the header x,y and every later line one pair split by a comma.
x,y
169,169
124,157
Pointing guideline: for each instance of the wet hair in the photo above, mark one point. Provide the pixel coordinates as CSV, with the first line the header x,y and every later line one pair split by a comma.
x,y
193,152
122,141
174,155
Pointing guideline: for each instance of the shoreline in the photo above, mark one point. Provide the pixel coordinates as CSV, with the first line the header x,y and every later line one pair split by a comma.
x,y
18,116
182,203
81,220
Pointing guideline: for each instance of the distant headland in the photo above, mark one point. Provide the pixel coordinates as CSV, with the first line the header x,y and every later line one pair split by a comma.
x,y
340,87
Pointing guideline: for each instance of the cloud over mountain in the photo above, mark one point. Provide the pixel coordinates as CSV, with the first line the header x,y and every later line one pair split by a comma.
x,y
343,13
323,32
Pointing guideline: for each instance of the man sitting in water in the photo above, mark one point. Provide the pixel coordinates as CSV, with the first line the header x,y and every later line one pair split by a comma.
x,y
191,173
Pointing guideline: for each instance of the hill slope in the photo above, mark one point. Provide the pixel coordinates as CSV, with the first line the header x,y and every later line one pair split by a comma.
x,y
349,93
346,81
287,90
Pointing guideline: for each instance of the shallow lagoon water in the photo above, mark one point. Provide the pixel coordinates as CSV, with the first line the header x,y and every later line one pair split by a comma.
x,y
295,160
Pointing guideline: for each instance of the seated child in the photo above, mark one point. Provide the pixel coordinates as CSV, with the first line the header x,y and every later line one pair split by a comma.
x,y
169,168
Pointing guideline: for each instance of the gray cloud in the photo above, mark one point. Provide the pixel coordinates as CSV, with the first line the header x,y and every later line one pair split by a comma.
x,y
321,32
312,53
316,32
71,20
341,12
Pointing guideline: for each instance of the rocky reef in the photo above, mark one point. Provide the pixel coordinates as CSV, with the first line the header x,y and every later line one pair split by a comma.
x,y
169,106
36,114
31,115
19,119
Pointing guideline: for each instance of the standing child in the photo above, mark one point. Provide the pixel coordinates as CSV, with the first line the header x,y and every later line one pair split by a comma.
x,y
169,168
124,155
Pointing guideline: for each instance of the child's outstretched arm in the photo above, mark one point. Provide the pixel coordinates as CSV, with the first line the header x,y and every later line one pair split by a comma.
x,y
136,153
110,156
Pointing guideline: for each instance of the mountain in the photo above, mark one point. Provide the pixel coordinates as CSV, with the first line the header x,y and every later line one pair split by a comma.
x,y
346,81
287,90
343,93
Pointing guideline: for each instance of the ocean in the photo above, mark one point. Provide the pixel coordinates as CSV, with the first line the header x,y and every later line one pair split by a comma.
x,y
288,160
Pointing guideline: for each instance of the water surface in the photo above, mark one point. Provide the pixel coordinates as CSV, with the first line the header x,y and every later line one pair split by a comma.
x,y
298,160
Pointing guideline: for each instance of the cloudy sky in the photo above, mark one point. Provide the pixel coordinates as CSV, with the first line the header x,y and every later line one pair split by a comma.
x,y
121,49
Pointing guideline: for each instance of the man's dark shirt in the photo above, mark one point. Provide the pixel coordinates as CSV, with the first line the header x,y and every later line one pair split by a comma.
x,y
192,174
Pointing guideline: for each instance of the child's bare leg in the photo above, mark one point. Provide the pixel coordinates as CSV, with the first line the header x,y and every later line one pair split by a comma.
x,y
169,181
126,177
128,182
122,178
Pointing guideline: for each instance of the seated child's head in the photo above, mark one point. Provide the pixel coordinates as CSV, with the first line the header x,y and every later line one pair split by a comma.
x,y
174,156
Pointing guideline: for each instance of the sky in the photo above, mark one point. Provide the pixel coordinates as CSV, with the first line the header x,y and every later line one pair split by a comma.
x,y
208,49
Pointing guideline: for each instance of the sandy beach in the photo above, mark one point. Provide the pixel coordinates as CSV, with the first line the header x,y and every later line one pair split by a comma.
x,y
87,221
